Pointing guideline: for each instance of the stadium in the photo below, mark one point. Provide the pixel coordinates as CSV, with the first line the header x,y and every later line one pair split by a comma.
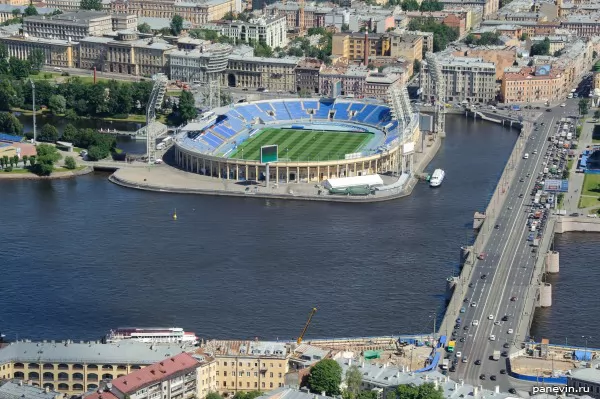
x,y
301,140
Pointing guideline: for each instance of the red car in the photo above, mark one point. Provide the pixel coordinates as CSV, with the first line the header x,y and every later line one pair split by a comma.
x,y
481,256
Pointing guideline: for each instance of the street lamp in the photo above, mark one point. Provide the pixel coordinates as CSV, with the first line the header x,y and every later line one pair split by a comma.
x,y
586,346
33,98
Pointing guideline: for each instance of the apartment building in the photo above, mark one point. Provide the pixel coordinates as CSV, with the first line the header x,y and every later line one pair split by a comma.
x,y
270,30
502,57
76,367
557,43
68,26
483,7
359,46
172,378
64,5
196,65
582,25
307,75
58,53
532,84
243,366
356,81
466,79
199,12
458,20
124,22
314,16
245,70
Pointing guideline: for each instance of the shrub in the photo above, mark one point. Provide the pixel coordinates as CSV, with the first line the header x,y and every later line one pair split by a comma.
x,y
70,163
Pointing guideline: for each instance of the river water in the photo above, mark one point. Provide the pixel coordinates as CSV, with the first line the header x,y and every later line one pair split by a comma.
x,y
82,256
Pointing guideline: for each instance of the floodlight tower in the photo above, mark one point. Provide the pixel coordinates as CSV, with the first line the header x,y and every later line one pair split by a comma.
x,y
154,102
434,70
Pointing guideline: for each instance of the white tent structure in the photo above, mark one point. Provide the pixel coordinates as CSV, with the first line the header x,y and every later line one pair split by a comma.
x,y
354,181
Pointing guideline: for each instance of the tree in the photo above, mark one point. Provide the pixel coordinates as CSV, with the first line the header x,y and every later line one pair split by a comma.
x,y
353,379
10,124
213,395
69,134
391,395
229,16
524,36
16,12
187,106
25,159
247,395
583,106
431,5
47,156
20,69
176,24
597,114
144,28
30,11
36,59
423,391
345,28
57,104
325,376
49,133
32,160
95,5
410,5
70,162
442,34
541,48
416,66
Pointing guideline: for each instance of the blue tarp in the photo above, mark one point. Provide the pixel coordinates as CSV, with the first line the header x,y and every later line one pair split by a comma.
x,y
442,341
583,161
583,355
432,365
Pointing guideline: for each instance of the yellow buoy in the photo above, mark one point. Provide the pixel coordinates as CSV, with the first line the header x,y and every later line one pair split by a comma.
x,y
175,215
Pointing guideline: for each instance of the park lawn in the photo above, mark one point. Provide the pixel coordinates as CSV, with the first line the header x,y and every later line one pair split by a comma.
x,y
586,202
303,145
591,184
174,93
570,164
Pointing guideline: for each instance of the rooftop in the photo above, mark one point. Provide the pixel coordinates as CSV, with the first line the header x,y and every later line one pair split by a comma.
x,y
290,393
18,390
591,374
529,73
124,352
76,16
253,348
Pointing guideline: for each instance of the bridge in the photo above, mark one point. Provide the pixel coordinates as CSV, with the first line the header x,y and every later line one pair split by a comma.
x,y
139,134
501,281
110,165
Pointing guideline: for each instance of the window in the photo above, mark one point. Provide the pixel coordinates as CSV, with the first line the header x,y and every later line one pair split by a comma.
x,y
271,385
225,373
263,384
224,363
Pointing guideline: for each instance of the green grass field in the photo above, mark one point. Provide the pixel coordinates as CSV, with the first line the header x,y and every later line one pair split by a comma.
x,y
303,145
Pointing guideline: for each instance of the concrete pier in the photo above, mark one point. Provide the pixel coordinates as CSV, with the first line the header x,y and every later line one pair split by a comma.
x,y
552,262
546,295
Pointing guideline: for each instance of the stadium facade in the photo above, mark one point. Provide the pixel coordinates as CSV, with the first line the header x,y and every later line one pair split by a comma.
x,y
211,146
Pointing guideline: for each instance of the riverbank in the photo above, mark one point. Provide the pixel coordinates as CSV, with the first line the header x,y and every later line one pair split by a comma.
x,y
134,118
167,179
60,174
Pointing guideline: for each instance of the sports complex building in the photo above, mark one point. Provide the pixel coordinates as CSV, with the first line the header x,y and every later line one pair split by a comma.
x,y
301,140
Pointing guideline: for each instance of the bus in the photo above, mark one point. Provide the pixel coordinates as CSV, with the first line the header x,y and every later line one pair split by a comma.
x,y
451,346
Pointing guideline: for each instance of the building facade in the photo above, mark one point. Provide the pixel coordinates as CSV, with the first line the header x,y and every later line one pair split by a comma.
x,y
358,47
307,75
465,78
257,72
197,64
58,53
199,12
68,26
271,31
528,85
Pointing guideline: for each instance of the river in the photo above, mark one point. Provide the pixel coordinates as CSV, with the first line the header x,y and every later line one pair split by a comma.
x,y
82,256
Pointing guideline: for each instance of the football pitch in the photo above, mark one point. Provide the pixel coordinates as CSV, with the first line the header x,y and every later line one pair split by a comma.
x,y
303,145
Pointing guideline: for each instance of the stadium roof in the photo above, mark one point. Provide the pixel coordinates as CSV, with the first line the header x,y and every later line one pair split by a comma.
x,y
344,182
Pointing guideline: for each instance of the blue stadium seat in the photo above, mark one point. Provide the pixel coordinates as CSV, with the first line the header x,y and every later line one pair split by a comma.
x,y
356,107
249,111
235,123
323,111
212,140
377,115
310,104
366,111
281,112
265,107
295,109
341,111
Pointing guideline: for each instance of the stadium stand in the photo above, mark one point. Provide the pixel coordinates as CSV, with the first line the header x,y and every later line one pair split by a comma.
x,y
295,109
310,104
281,112
249,111
11,138
323,111
235,123
341,111
366,111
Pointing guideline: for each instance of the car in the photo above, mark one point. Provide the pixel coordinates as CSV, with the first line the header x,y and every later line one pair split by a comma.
x,y
521,180
504,354
505,318
510,331
497,226
497,323
466,300
548,110
502,371
493,377
458,354
483,276
521,195
470,285
482,377
475,322
575,214
465,360
452,369
466,328
478,362
463,310
462,339
481,256
563,105
491,317
506,345
473,304
513,391
513,298
492,337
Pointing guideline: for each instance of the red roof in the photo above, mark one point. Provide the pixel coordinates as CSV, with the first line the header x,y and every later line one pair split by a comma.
x,y
154,373
101,395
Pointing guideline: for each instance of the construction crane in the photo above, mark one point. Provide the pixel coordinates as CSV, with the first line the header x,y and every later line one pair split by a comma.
x,y
310,316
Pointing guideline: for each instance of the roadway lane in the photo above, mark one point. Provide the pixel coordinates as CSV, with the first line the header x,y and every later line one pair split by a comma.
x,y
508,267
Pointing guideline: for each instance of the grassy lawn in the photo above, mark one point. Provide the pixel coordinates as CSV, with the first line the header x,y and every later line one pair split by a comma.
x,y
45,76
586,202
570,164
591,185
174,93
303,145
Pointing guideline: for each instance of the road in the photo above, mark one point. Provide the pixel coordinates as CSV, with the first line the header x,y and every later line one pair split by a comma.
x,y
507,266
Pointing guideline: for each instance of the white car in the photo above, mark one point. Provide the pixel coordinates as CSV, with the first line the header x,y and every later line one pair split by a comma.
x,y
510,331
473,304
563,105
458,354
492,337
465,359
491,317
475,322
497,323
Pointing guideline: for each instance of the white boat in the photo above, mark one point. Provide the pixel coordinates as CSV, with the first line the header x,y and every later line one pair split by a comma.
x,y
437,178
152,335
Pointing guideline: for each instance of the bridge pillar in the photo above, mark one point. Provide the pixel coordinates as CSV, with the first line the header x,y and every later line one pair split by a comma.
x,y
478,220
552,262
450,286
546,295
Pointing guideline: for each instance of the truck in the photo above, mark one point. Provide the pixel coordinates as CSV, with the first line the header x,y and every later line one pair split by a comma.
x,y
496,355
451,346
445,363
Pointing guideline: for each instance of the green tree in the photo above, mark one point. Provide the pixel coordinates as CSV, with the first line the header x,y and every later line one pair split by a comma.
x,y
30,11
36,59
32,160
95,5
16,12
97,152
442,34
47,156
70,162
541,48
431,5
325,376
25,159
10,124
57,104
16,159
20,69
176,24
409,5
213,395
49,133
423,391
144,28
597,114
187,106
583,106
353,379
391,395
345,28
416,66
524,36
69,133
